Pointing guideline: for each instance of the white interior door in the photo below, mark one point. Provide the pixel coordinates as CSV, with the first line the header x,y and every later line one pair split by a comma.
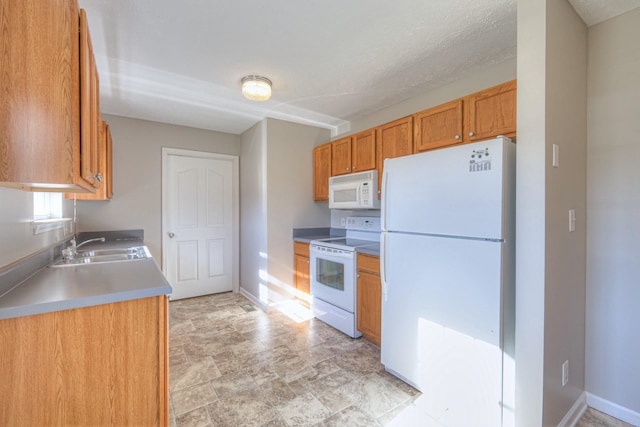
x,y
200,222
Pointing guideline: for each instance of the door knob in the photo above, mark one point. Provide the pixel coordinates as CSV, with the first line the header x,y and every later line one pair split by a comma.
x,y
171,235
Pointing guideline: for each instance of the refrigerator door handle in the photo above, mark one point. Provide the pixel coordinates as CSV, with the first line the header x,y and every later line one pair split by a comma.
x,y
383,262
383,215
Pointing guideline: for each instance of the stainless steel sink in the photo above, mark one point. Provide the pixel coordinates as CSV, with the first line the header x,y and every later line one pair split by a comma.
x,y
105,255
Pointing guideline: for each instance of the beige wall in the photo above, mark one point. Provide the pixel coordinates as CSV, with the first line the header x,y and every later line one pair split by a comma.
x,y
253,214
472,82
276,196
613,212
16,231
290,196
137,175
550,264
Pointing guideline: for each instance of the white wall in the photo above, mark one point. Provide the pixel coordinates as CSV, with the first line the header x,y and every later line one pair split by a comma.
x,y
613,212
253,214
137,175
16,231
290,196
550,261
472,82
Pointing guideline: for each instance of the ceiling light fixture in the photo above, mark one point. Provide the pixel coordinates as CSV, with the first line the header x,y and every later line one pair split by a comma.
x,y
256,88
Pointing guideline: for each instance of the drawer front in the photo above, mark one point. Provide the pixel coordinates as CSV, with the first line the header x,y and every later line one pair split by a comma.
x,y
370,263
301,248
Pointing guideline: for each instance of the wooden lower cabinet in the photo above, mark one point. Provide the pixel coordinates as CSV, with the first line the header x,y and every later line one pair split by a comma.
x,y
302,275
105,365
369,304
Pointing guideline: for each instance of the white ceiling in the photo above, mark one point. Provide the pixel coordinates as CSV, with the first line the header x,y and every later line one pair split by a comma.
x,y
331,61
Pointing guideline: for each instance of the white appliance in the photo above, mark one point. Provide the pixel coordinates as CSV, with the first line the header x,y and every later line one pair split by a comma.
x,y
447,268
354,191
333,273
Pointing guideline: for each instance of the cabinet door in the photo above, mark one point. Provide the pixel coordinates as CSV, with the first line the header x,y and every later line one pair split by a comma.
x,y
369,305
89,106
321,172
302,281
363,151
104,191
492,112
395,139
438,127
341,156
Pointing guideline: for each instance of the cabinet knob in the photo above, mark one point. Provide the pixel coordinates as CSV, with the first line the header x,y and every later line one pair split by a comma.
x,y
347,168
98,176
307,262
354,168
357,276
472,133
171,235
457,136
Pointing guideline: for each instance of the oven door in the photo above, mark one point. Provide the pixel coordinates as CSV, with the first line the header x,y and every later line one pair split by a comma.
x,y
333,276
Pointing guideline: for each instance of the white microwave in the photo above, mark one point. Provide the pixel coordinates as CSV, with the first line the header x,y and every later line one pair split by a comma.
x,y
354,191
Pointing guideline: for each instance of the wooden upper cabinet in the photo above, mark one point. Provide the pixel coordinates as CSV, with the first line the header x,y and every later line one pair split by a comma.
x,y
395,139
363,151
491,112
437,127
40,120
341,156
321,172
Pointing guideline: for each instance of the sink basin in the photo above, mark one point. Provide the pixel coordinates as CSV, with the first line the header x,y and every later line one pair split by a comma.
x,y
105,255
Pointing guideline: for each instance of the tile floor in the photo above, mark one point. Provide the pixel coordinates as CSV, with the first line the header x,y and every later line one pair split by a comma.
x,y
233,367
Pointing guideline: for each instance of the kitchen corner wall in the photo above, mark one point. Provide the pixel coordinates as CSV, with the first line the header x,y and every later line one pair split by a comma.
x,y
550,260
16,231
613,209
137,175
276,188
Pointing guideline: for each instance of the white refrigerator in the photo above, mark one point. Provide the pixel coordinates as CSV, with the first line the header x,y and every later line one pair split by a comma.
x,y
447,267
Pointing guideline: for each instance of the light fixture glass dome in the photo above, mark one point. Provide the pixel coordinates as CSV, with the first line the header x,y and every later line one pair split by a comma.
x,y
256,88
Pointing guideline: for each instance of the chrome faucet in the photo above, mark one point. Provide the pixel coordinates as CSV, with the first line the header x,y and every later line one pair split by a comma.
x,y
71,251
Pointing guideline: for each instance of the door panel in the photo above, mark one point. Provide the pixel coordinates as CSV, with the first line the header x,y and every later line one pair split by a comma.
x,y
199,239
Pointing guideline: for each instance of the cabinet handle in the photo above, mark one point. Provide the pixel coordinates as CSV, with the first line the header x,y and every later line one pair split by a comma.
x,y
98,176
354,168
171,235
472,133
357,276
457,136
307,262
348,168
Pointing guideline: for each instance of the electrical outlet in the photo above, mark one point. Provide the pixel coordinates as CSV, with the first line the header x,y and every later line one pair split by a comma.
x,y
565,373
343,221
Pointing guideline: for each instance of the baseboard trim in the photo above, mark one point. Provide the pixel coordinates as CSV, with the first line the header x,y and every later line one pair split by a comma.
x,y
620,412
576,411
262,306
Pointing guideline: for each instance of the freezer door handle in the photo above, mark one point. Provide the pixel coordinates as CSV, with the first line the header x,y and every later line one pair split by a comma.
x,y
383,213
383,266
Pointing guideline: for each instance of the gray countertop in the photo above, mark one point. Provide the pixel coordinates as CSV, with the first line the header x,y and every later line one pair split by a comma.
x,y
371,250
63,288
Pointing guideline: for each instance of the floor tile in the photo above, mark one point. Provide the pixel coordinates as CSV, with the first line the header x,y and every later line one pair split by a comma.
x,y
352,417
196,418
248,409
234,383
189,374
375,395
304,410
191,398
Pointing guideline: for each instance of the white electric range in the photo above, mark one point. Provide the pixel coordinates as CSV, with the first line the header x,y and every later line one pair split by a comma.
x,y
333,273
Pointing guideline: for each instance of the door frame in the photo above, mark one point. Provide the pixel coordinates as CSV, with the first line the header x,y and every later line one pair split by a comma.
x,y
235,173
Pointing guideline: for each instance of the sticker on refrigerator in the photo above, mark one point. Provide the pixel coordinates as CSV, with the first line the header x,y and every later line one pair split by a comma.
x,y
480,161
